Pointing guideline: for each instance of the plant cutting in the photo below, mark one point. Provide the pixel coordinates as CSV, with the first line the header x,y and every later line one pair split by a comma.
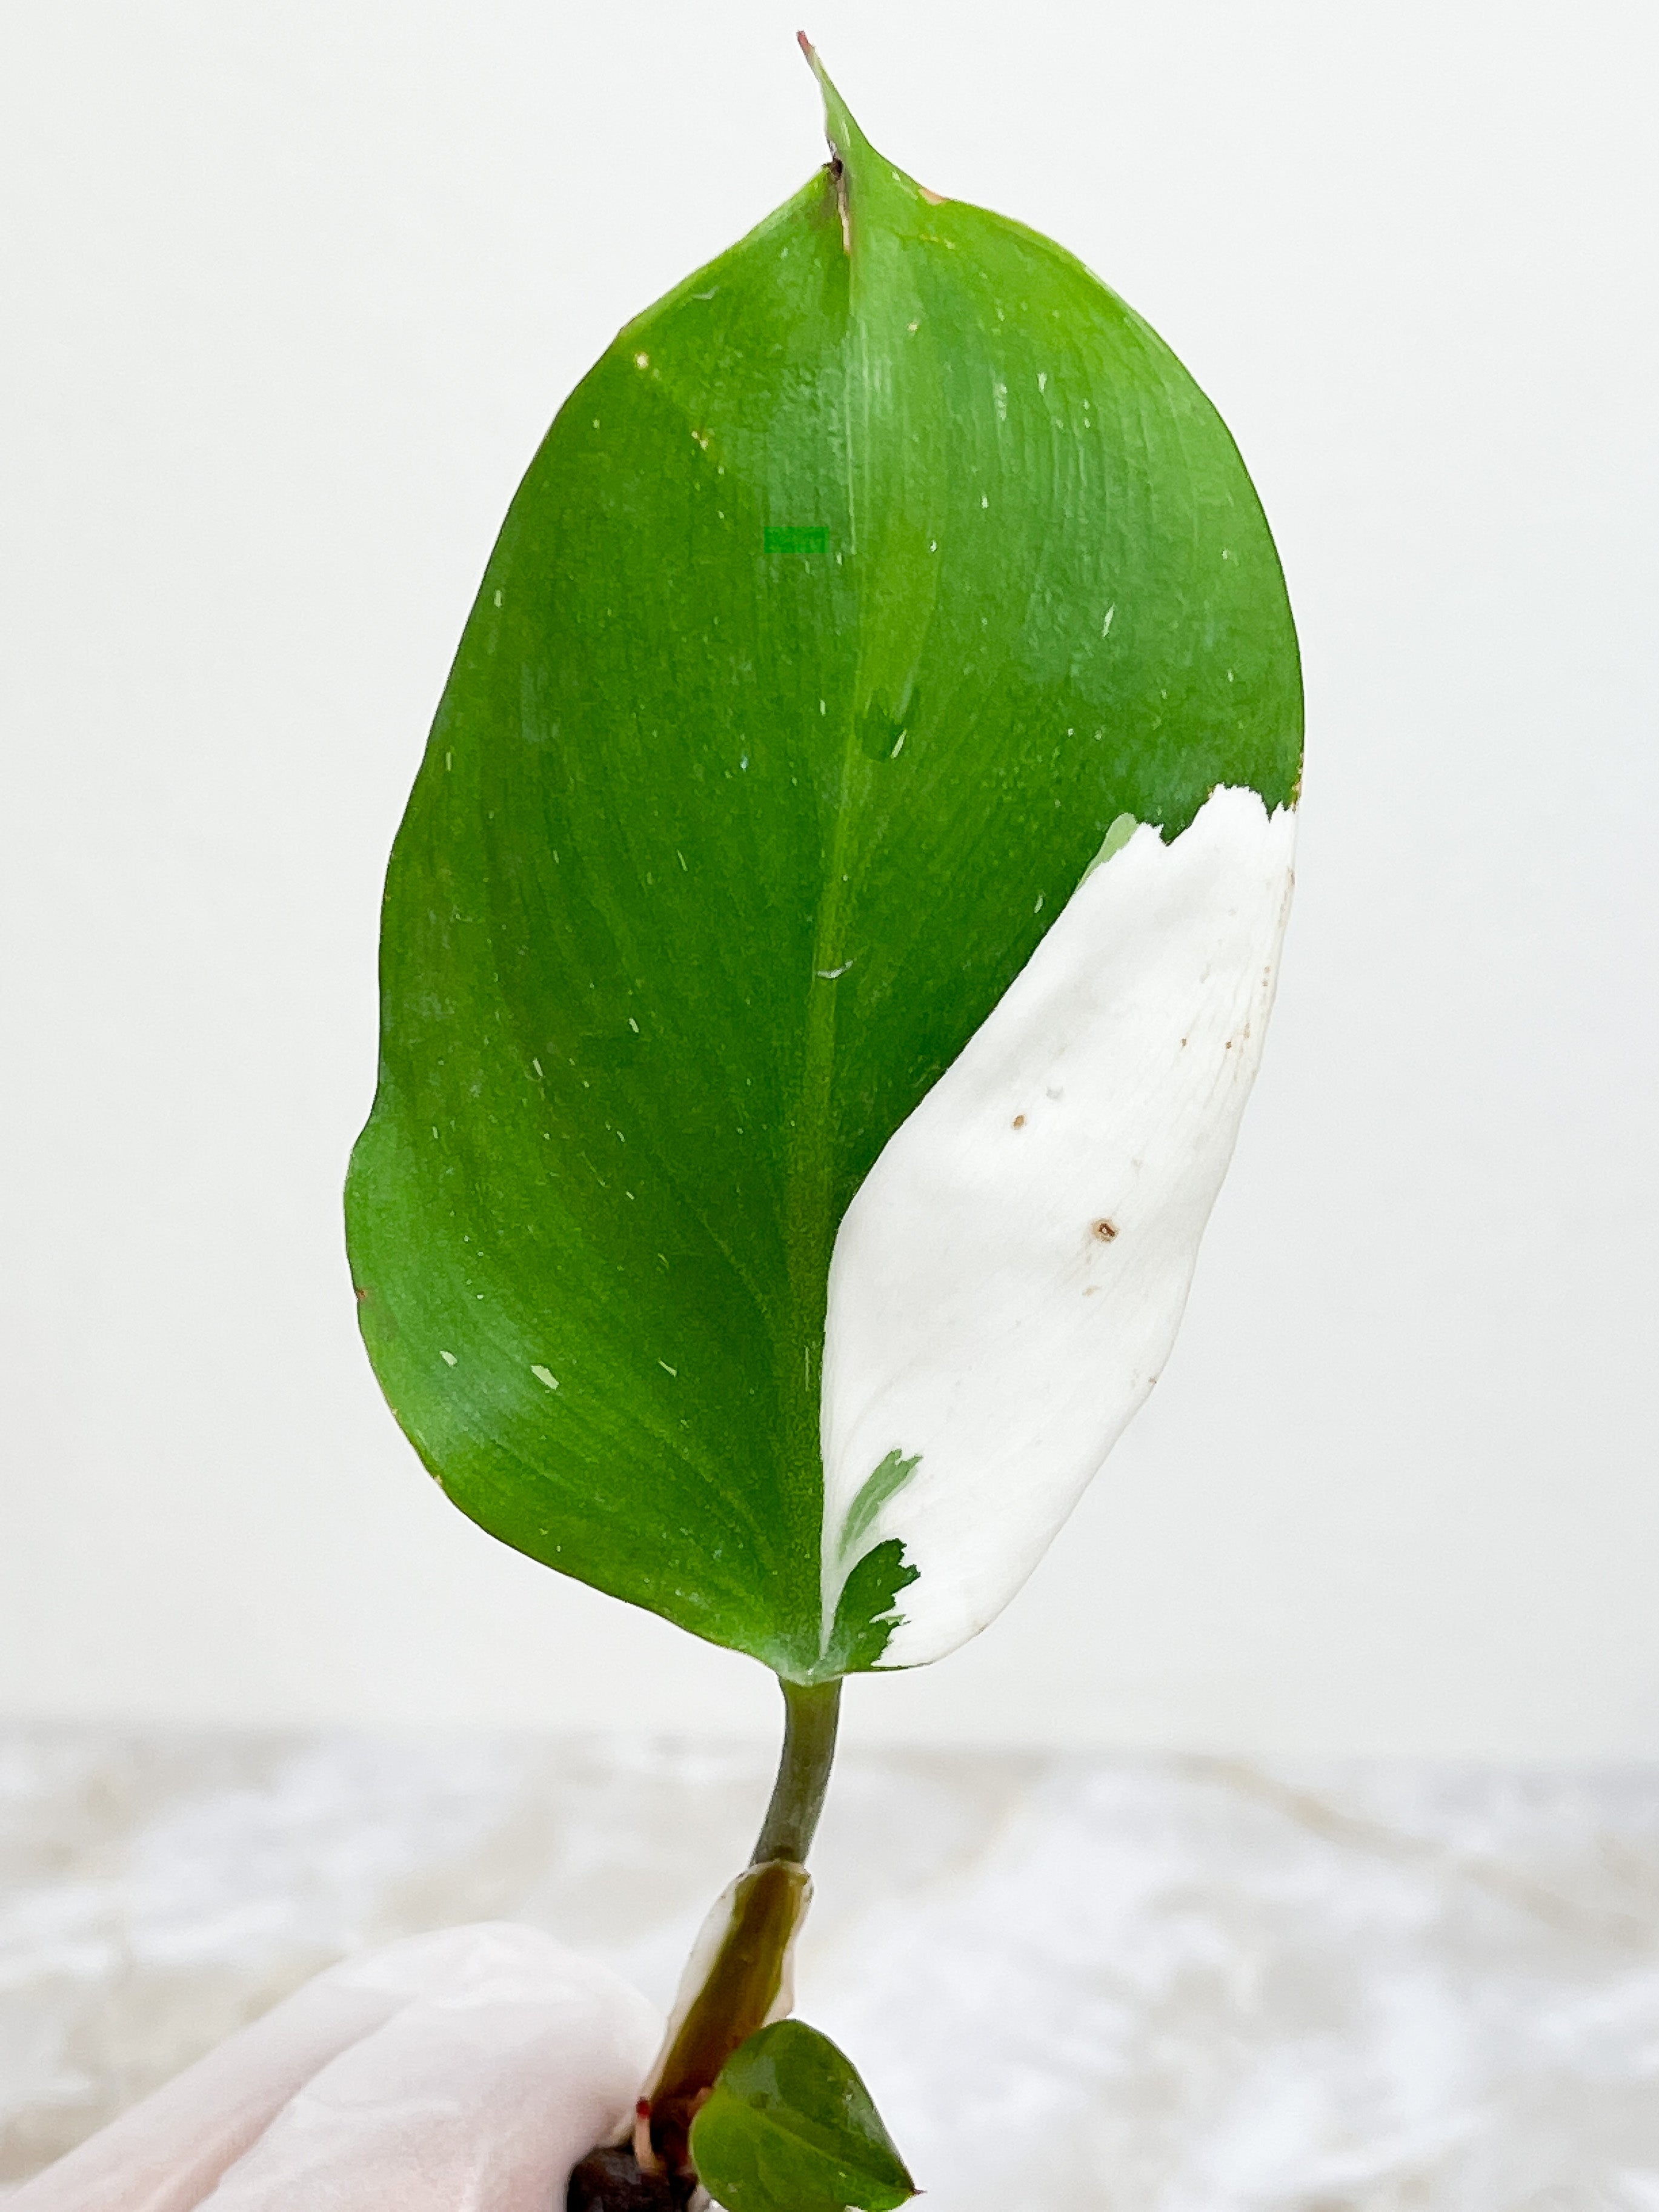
x,y
824,960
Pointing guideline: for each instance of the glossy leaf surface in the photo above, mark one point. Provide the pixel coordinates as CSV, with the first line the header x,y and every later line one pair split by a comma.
x,y
857,593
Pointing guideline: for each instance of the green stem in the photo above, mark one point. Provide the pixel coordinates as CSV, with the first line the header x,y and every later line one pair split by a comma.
x,y
811,1711
741,1982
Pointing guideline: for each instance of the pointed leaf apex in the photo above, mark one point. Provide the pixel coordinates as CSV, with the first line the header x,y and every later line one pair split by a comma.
x,y
868,187
846,140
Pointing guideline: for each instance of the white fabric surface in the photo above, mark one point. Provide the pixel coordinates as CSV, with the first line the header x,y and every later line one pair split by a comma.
x,y
1106,1984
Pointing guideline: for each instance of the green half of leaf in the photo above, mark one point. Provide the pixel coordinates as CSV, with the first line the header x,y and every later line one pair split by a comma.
x,y
791,2128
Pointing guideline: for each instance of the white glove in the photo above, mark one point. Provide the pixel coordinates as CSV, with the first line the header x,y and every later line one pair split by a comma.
x,y
465,2071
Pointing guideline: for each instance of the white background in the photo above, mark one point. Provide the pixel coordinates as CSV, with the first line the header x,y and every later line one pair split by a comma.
x,y
290,292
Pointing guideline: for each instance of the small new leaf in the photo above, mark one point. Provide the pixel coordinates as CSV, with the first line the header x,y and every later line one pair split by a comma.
x,y
789,2127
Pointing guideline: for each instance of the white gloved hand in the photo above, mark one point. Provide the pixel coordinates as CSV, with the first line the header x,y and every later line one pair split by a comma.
x,y
464,2072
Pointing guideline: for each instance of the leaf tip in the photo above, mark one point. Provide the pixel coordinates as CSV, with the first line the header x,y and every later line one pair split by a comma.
x,y
843,134
859,172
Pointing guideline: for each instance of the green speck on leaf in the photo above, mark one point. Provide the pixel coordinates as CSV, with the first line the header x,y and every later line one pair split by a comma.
x,y
797,539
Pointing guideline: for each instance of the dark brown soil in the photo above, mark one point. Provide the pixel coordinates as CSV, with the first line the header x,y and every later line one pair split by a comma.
x,y
611,2181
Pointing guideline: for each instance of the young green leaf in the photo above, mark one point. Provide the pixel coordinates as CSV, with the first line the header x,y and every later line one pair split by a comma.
x,y
830,939
789,2127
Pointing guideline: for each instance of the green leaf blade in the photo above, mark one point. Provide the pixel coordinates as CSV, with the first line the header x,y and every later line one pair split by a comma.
x,y
790,2127
850,601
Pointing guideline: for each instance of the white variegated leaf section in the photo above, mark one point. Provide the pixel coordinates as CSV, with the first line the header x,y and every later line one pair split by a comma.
x,y
1009,1279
